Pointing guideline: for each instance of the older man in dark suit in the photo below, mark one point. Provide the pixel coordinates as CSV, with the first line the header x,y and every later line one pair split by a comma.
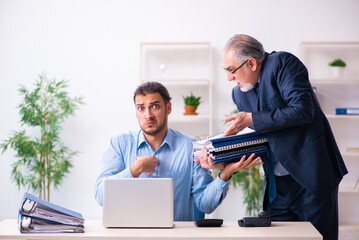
x,y
304,168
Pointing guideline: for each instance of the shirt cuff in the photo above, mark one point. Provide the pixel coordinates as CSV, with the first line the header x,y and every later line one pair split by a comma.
x,y
220,183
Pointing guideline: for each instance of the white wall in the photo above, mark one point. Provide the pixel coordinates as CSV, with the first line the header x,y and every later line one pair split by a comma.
x,y
95,44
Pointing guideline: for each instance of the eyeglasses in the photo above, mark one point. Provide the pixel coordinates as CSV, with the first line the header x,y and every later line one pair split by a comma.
x,y
235,70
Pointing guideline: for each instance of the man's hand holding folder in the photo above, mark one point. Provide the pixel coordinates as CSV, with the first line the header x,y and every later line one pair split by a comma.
x,y
228,169
231,153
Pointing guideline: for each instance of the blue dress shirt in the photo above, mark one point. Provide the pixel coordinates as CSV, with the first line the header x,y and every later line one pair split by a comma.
x,y
191,182
279,170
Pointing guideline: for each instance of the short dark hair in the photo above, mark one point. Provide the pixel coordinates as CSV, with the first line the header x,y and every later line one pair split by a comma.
x,y
152,87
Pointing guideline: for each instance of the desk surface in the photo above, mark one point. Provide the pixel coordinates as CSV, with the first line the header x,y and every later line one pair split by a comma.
x,y
182,230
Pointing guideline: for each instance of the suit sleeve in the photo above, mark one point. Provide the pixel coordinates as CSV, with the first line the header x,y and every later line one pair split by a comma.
x,y
292,104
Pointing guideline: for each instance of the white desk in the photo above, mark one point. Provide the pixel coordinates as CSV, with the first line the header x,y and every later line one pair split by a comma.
x,y
181,231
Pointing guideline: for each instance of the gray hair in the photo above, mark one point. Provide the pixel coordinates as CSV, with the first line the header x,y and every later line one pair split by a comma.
x,y
246,47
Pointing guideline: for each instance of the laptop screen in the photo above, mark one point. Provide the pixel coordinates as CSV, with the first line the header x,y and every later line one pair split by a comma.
x,y
138,202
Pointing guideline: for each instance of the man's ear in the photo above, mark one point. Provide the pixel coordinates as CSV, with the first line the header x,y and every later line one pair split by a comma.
x,y
169,108
253,64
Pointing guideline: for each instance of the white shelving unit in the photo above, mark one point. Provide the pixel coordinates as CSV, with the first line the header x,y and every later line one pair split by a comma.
x,y
335,93
182,67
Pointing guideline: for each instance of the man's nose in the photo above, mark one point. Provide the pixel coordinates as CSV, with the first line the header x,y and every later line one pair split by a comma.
x,y
148,113
230,76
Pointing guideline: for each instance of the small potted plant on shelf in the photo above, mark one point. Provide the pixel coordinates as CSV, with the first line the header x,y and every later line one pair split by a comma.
x,y
191,103
338,66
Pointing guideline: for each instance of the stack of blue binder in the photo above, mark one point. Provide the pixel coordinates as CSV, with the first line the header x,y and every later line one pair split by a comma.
x,y
39,216
232,148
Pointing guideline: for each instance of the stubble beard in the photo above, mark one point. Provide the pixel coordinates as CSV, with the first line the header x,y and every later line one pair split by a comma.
x,y
155,131
158,129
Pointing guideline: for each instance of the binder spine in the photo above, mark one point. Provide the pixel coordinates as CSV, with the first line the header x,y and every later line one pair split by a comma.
x,y
242,144
234,152
238,157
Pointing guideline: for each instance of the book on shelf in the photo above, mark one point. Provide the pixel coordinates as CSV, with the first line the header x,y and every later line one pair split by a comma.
x,y
39,216
347,111
232,148
353,149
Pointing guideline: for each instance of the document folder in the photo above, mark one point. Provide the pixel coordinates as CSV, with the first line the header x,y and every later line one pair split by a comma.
x,y
36,225
38,215
347,111
233,148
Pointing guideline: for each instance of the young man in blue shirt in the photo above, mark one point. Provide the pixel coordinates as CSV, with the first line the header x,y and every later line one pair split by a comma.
x,y
158,151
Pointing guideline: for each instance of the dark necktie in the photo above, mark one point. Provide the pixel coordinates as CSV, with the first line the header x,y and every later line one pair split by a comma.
x,y
272,190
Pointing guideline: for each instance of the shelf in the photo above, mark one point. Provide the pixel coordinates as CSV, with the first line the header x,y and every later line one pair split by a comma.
x,y
317,55
320,44
188,118
174,44
349,226
350,154
348,190
175,60
334,116
348,231
182,67
334,81
335,93
180,82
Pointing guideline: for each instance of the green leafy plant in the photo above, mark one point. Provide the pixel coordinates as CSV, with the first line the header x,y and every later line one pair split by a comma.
x,y
251,181
191,100
337,63
42,160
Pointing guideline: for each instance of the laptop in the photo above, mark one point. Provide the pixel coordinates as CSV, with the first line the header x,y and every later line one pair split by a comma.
x,y
138,202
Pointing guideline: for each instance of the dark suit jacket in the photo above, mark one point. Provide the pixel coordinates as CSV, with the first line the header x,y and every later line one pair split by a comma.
x,y
299,134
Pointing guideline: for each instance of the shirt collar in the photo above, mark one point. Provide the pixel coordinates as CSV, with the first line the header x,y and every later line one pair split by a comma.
x,y
141,139
167,141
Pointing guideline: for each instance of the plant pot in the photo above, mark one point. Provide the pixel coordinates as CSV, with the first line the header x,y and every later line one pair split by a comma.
x,y
337,72
190,110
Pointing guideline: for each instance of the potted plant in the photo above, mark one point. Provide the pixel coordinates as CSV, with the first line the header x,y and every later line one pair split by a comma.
x,y
191,103
338,66
42,159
